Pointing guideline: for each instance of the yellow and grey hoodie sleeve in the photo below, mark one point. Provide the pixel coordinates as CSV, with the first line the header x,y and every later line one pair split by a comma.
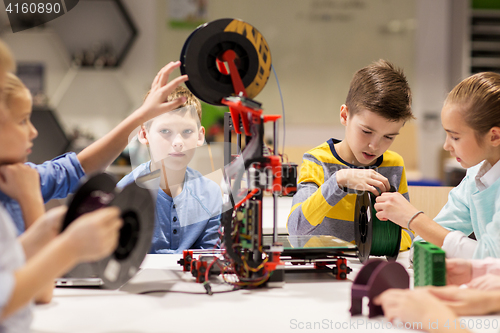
x,y
315,197
321,207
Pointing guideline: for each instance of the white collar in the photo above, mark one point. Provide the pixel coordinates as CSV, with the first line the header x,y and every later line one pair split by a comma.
x,y
487,175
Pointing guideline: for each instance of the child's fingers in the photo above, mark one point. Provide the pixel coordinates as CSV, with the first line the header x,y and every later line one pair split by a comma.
x,y
166,71
381,216
388,198
114,232
450,264
391,312
112,226
110,215
483,282
374,190
387,184
384,197
444,293
108,212
169,87
116,224
161,77
104,217
114,235
56,216
384,182
111,223
382,298
6,172
378,184
379,206
156,80
457,307
390,296
391,302
57,212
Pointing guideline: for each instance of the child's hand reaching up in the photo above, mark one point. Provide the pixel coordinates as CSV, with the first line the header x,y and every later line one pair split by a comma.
x,y
156,101
99,155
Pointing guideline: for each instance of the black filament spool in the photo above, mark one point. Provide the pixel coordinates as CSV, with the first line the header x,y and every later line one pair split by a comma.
x,y
208,42
137,207
137,212
97,192
363,226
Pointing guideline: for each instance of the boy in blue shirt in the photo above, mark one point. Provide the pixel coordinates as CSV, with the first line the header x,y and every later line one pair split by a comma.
x,y
188,205
61,176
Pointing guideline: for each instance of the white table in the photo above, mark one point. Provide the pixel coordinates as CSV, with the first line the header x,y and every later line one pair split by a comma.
x,y
305,298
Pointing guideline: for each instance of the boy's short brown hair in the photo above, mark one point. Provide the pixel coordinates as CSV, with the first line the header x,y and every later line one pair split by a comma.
x,y
180,91
381,88
190,98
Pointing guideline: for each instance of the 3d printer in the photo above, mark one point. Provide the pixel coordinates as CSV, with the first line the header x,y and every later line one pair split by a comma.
x,y
228,63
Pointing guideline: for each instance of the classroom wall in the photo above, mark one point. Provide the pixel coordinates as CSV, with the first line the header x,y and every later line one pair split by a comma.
x,y
441,56
92,100
316,46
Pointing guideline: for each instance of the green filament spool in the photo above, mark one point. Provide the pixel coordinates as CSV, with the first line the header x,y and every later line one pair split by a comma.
x,y
372,236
